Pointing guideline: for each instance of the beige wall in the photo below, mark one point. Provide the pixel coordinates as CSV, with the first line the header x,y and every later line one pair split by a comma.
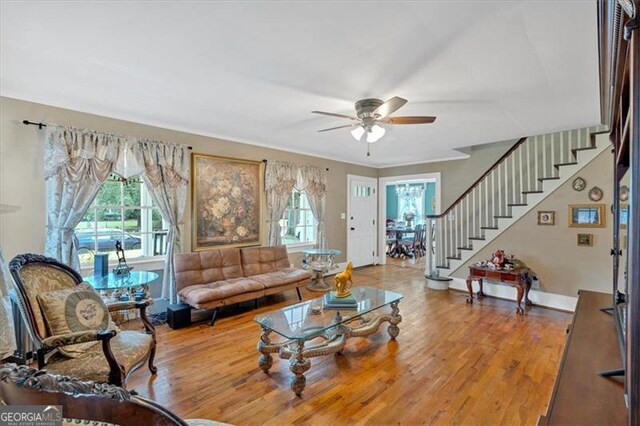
x,y
552,251
456,175
22,183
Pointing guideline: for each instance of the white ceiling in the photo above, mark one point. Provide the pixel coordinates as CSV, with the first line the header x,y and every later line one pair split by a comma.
x,y
253,71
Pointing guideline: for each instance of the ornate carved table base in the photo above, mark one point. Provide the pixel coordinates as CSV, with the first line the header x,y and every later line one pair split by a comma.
x,y
319,262
334,342
317,280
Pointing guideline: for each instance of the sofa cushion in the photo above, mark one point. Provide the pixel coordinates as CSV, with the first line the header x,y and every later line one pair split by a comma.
x,y
260,260
282,277
201,294
206,267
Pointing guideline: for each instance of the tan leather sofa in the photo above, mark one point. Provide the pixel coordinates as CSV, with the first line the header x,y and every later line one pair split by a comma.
x,y
214,278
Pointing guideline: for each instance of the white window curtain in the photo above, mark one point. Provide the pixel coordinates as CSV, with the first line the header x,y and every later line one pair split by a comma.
x,y
166,173
314,182
7,333
77,162
280,178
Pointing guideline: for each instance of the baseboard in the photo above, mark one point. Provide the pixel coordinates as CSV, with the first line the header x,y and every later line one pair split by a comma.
x,y
503,291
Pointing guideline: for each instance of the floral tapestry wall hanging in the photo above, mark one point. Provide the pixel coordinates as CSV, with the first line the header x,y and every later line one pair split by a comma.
x,y
226,202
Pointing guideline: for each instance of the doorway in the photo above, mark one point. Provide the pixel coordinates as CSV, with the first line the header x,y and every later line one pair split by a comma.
x,y
362,205
405,201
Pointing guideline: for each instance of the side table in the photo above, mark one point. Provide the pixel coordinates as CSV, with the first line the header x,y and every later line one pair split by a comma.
x,y
319,262
116,285
111,286
518,278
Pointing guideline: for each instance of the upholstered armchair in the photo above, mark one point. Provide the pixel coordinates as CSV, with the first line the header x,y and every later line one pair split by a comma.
x,y
71,326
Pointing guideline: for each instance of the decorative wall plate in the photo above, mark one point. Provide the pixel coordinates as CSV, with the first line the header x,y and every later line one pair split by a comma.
x,y
624,193
595,194
579,184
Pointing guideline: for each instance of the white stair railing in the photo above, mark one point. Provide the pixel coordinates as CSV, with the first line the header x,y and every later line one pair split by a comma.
x,y
520,171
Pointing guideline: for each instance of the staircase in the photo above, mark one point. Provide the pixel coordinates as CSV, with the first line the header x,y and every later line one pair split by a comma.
x,y
524,176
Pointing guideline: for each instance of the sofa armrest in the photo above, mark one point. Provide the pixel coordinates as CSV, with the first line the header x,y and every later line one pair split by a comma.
x,y
77,337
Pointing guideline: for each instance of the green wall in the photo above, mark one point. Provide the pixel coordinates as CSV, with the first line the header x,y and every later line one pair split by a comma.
x,y
392,199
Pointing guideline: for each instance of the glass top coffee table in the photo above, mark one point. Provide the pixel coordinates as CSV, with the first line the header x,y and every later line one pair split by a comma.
x,y
300,323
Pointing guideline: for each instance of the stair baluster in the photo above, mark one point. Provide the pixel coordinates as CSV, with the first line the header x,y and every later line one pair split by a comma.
x,y
504,186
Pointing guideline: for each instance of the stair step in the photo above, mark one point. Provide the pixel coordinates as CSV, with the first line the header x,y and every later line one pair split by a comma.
x,y
465,248
503,217
517,204
583,149
442,267
549,178
489,227
454,257
557,166
477,238
532,192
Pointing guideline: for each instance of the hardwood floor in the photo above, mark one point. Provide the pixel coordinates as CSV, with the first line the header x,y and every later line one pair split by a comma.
x,y
452,364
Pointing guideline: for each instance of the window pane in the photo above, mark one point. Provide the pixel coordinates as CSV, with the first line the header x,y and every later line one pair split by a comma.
x,y
109,194
117,216
88,221
132,244
297,223
131,192
309,219
304,202
109,217
157,224
132,220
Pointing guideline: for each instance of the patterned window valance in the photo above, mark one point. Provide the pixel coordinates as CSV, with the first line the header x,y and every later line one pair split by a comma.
x,y
281,177
127,156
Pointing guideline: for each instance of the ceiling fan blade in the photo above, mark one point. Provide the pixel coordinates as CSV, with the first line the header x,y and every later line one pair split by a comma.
x,y
339,127
331,114
389,107
408,120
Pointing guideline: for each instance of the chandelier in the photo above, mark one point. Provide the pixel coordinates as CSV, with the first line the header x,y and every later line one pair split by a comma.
x,y
407,190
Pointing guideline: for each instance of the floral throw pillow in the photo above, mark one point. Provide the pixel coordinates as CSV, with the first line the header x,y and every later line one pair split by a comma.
x,y
68,310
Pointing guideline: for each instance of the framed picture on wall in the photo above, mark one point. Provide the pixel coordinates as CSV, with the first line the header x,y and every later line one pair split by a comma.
x,y
226,202
546,218
585,240
587,216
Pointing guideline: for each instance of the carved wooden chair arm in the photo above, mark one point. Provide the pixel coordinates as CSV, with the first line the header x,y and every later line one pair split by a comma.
x,y
77,337
116,371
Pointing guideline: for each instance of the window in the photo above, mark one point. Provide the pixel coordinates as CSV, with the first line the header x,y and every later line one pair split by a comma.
x,y
411,203
298,226
122,210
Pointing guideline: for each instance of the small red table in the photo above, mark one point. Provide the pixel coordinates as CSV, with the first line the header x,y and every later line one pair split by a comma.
x,y
518,278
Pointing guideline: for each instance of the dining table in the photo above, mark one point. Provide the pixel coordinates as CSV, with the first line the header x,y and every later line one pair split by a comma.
x,y
395,236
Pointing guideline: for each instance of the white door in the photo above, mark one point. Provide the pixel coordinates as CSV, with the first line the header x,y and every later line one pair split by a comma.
x,y
362,208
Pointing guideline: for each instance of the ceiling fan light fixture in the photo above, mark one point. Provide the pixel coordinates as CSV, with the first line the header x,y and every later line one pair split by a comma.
x,y
375,134
357,133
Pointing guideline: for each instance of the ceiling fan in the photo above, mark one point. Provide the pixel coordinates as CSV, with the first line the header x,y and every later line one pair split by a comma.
x,y
370,112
